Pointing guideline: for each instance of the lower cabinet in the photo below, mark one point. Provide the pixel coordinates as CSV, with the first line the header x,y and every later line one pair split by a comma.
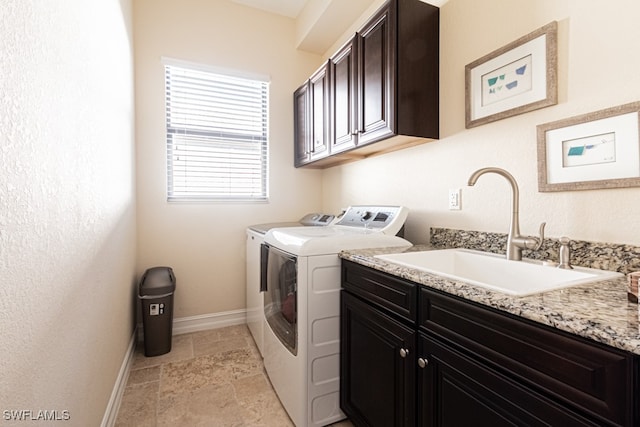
x,y
411,356
377,385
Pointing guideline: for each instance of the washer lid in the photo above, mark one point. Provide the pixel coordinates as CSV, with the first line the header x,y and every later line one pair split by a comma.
x,y
264,228
309,241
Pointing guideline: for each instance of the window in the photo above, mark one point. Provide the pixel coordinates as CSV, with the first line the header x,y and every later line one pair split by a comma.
x,y
216,135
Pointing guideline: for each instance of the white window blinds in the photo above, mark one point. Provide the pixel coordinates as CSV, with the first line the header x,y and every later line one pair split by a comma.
x,y
216,136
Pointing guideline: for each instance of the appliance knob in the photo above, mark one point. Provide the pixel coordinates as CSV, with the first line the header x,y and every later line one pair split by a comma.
x,y
404,352
422,362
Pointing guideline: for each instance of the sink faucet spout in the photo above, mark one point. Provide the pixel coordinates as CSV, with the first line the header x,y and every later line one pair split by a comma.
x,y
515,242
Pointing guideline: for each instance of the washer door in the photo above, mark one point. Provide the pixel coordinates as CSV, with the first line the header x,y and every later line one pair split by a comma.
x,y
280,298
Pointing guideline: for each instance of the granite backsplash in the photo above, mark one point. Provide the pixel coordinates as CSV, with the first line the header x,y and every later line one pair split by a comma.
x,y
605,256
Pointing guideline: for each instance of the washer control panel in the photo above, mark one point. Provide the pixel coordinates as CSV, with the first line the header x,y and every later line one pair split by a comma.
x,y
317,219
379,218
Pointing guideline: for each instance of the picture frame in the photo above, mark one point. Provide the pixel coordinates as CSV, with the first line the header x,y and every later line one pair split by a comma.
x,y
515,79
591,151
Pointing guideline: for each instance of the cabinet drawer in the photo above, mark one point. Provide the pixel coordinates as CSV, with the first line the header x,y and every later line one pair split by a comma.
x,y
598,380
381,289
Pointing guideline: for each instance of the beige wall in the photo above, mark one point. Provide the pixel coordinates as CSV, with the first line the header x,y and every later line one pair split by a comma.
x,y
205,242
597,69
67,210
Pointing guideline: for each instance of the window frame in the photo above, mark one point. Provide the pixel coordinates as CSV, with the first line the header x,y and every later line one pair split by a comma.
x,y
214,141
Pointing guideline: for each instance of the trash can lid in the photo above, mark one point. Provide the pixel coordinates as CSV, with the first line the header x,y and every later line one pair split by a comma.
x,y
157,281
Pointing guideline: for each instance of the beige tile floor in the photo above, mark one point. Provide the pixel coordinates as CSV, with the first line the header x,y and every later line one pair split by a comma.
x,y
210,378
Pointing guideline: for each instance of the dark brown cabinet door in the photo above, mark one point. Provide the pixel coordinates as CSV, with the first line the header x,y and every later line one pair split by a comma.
x,y
456,390
377,370
344,113
319,106
376,80
301,125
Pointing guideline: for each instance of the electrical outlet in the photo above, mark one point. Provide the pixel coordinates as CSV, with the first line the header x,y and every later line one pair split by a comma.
x,y
454,199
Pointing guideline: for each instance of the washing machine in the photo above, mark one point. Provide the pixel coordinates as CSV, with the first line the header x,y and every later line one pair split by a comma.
x,y
301,303
254,288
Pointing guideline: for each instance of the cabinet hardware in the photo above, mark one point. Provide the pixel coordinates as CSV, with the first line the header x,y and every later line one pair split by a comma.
x,y
404,352
422,362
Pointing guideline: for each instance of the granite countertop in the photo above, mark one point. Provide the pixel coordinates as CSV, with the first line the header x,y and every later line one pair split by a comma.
x,y
598,311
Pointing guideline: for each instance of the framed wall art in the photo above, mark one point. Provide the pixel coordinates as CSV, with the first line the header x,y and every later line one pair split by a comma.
x,y
591,151
515,79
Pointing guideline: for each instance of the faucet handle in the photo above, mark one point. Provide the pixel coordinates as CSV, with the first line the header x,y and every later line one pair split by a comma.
x,y
541,233
535,243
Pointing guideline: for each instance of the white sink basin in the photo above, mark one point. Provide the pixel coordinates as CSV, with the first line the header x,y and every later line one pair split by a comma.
x,y
494,272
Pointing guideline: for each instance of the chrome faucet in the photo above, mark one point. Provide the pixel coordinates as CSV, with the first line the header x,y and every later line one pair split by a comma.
x,y
515,242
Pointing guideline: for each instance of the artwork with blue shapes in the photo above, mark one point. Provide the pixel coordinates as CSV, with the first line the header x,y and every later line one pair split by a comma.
x,y
589,150
507,81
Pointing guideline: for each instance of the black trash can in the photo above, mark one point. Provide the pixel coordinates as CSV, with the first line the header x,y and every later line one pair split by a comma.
x,y
156,290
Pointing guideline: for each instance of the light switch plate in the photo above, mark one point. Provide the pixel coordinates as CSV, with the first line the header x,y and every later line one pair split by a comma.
x,y
455,195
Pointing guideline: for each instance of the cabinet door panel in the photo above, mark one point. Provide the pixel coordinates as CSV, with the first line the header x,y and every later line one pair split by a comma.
x,y
377,385
319,93
373,75
301,120
343,99
458,391
376,78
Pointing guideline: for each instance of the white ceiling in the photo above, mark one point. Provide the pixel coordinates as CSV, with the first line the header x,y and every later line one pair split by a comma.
x,y
292,8
323,20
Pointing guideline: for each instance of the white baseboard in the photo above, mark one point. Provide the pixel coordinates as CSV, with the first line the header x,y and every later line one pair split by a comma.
x,y
203,322
111,414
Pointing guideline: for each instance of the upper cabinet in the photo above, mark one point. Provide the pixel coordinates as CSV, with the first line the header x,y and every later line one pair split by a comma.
x,y
381,88
311,122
